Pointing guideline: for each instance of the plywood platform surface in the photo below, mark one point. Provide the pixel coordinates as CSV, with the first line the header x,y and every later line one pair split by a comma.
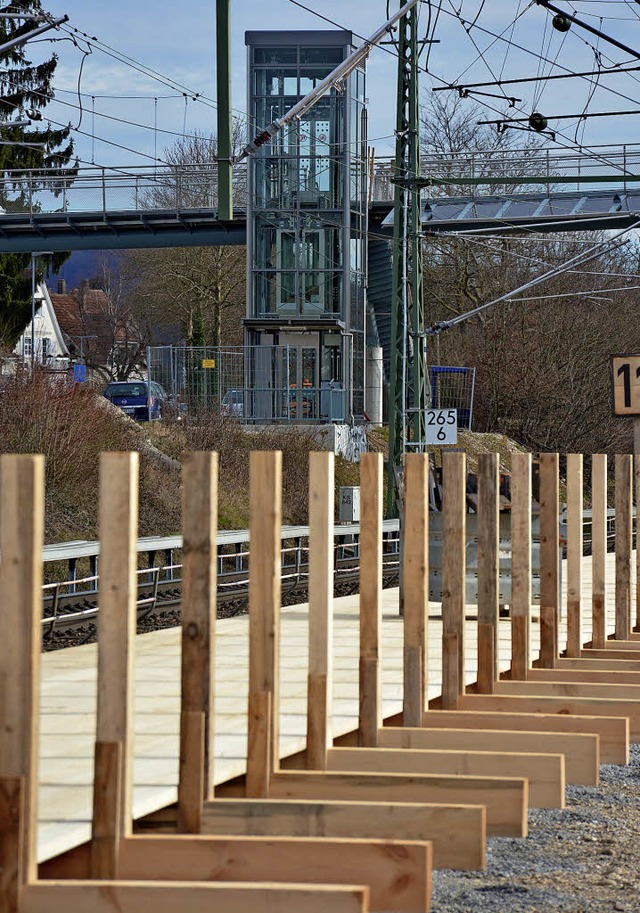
x,y
68,700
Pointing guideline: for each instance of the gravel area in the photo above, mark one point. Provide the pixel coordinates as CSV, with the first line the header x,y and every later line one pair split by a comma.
x,y
582,859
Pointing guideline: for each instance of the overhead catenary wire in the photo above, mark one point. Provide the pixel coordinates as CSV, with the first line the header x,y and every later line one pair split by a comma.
x,y
583,257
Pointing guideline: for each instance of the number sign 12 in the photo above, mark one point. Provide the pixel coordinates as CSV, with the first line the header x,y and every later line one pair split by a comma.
x,y
441,426
625,371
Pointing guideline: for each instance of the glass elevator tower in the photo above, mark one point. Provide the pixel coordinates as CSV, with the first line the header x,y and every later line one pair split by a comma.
x,y
306,230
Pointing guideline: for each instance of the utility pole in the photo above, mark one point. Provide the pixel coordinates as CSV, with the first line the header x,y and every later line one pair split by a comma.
x,y
223,81
408,393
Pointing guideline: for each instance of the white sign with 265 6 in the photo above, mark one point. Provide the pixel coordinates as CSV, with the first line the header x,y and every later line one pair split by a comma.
x,y
441,426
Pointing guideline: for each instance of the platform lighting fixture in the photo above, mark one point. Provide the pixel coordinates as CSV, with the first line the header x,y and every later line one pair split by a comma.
x,y
336,77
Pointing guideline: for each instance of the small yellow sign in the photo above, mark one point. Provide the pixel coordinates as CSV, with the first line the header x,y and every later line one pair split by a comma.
x,y
208,362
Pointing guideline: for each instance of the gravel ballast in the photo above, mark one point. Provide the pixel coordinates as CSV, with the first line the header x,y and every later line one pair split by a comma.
x,y
584,858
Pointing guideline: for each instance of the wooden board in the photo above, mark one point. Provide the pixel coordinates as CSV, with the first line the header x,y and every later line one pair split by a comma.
x,y
320,675
369,672
194,897
415,578
118,588
582,706
506,798
21,538
265,470
574,553
453,577
628,693
457,832
199,594
488,571
598,547
11,842
549,558
623,506
608,676
610,663
612,655
520,564
507,713
581,751
397,874
545,772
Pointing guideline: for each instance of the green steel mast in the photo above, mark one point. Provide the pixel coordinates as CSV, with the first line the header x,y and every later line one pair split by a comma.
x,y
408,392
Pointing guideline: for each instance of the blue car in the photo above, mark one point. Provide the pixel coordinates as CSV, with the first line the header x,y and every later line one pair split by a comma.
x,y
141,400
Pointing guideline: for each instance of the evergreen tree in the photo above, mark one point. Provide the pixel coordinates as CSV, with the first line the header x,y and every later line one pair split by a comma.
x,y
25,90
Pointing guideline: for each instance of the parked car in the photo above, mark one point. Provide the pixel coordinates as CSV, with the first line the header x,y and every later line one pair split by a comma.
x,y
140,399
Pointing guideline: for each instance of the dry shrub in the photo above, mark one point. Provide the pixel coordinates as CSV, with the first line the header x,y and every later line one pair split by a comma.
x,y
72,426
209,430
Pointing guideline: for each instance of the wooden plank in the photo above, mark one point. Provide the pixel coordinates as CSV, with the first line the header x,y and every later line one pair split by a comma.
x,y
506,798
415,576
370,676
398,874
198,614
453,576
116,633
626,692
623,501
191,778
623,652
581,751
259,740
457,832
613,731
520,564
488,571
549,558
264,618
582,706
545,772
574,553
610,676
636,462
611,662
21,538
106,827
11,842
194,897
599,547
614,648
319,683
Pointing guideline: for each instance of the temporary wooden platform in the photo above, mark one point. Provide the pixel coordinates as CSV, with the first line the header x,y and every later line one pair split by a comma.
x,y
68,704
289,684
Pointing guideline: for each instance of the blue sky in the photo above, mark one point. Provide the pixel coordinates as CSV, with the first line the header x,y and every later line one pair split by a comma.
x,y
178,41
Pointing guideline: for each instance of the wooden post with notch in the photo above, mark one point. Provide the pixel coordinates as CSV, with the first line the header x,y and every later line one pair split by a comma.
x,y
520,565
574,554
21,538
636,459
416,587
116,637
263,757
321,538
549,559
599,549
623,546
199,594
370,678
488,570
453,577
